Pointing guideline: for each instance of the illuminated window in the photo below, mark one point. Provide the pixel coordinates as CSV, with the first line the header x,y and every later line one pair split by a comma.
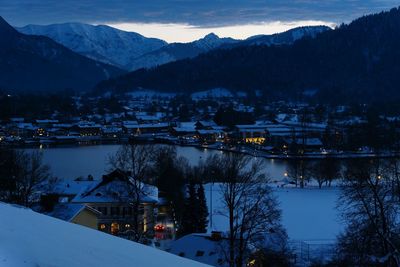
x,y
114,228
102,226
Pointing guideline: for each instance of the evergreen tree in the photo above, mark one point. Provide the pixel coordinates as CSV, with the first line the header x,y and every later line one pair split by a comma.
x,y
202,210
190,214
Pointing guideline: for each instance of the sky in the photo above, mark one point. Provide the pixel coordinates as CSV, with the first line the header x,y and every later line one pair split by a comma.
x,y
187,20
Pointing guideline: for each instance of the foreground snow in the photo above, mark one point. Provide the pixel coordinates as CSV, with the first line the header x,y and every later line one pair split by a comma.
x,y
308,214
32,239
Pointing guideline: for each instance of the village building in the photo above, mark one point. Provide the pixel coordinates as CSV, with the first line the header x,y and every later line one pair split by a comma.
x,y
87,128
75,213
184,130
211,135
113,197
251,133
205,125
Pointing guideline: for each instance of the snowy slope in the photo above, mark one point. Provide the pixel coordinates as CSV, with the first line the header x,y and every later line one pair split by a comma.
x,y
102,43
177,51
287,37
32,239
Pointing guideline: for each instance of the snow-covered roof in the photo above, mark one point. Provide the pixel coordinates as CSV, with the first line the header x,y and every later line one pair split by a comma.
x,y
115,187
67,187
147,117
246,127
68,211
62,125
111,129
27,126
200,247
47,121
129,123
213,131
17,119
32,239
207,123
85,125
213,93
153,125
186,127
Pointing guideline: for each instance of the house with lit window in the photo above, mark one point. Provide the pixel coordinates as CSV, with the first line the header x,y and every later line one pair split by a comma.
x,y
251,133
87,128
113,196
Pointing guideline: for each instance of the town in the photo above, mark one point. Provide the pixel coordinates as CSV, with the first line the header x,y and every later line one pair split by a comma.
x,y
199,133
215,119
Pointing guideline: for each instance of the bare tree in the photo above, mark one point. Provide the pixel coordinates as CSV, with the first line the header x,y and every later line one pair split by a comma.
x,y
317,173
25,176
331,168
137,160
32,176
298,171
370,210
324,171
248,203
8,169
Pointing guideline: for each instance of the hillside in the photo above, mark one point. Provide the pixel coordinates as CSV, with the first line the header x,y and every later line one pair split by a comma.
x,y
101,43
177,51
31,239
38,64
358,62
283,38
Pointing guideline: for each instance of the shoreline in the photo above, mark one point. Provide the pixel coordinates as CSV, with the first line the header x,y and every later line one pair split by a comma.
x,y
244,149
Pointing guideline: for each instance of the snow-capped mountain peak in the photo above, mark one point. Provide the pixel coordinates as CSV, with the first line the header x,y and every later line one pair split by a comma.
x,y
212,41
101,42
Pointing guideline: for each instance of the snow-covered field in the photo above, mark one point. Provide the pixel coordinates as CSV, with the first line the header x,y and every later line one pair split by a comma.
x,y
213,93
145,93
308,214
31,239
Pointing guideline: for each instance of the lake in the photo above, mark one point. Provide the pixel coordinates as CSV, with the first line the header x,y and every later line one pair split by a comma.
x,y
72,162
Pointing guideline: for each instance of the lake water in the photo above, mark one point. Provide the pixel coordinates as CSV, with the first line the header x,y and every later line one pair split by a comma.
x,y
72,162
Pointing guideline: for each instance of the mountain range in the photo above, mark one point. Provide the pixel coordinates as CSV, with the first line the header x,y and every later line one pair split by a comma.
x,y
39,64
132,51
358,62
101,43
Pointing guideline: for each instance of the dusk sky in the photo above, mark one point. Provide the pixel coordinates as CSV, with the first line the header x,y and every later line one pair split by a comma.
x,y
186,20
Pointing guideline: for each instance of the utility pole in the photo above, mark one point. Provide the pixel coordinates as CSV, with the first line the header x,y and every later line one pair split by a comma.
x,y
211,201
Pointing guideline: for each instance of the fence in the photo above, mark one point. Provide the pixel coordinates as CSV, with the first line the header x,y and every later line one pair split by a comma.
x,y
308,251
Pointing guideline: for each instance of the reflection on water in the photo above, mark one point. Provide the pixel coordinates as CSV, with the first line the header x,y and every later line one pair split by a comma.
x,y
72,162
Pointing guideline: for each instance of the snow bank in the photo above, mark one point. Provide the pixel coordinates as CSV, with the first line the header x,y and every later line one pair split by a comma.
x,y
29,239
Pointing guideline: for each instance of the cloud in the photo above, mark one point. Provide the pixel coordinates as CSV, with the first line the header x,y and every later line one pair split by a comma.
x,y
199,13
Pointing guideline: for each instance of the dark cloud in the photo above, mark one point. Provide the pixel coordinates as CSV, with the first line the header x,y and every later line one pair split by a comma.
x,y
203,13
